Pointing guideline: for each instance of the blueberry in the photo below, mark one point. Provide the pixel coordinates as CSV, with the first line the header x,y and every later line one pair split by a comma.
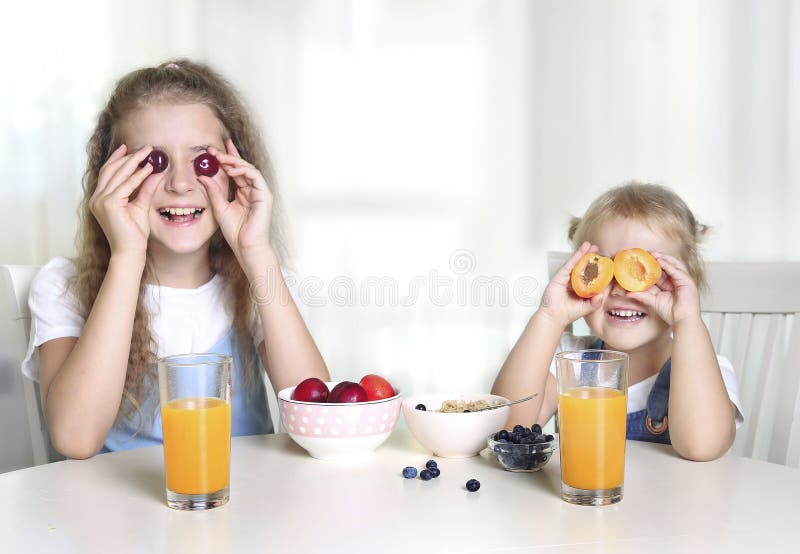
x,y
409,472
421,407
503,434
431,463
425,475
514,437
540,439
527,440
536,429
518,429
549,438
435,472
496,436
473,485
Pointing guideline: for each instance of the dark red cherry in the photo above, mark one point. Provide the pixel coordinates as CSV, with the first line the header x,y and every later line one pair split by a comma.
x,y
206,164
158,159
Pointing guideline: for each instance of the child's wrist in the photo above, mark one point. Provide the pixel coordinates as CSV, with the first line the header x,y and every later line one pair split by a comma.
x,y
691,321
541,318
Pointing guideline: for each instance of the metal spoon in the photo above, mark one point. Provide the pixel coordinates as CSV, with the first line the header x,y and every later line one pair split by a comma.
x,y
534,395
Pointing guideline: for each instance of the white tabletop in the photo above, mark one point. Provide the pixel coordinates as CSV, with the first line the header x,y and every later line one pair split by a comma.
x,y
282,500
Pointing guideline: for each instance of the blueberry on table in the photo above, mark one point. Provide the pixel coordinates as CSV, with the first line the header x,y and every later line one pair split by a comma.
x,y
473,485
421,407
409,472
431,463
425,475
435,472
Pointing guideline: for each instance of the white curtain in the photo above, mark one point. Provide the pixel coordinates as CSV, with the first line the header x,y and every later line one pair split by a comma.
x,y
427,147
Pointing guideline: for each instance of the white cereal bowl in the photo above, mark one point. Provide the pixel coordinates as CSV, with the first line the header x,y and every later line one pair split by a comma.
x,y
334,431
453,435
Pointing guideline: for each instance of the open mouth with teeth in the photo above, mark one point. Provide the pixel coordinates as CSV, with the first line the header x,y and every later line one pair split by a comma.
x,y
181,215
625,316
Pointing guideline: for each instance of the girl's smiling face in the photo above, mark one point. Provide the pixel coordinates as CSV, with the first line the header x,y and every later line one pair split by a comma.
x,y
181,221
623,323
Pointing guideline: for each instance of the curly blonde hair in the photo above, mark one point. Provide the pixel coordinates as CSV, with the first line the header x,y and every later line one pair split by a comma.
x,y
654,205
176,82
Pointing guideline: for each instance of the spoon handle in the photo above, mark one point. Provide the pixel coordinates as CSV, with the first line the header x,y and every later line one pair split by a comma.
x,y
534,395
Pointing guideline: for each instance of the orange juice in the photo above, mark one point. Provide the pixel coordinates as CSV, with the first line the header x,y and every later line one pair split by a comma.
x,y
592,437
197,444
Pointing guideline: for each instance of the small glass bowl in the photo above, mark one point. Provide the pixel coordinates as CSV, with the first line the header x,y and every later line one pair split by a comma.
x,y
522,457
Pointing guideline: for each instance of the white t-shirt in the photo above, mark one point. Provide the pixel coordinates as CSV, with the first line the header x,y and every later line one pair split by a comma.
x,y
183,320
638,392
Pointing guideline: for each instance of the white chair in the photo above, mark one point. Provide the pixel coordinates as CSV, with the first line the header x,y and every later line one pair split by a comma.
x,y
17,280
752,311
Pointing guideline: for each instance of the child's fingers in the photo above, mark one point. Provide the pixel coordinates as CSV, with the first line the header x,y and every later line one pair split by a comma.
x,y
252,175
144,198
216,196
647,299
231,147
674,270
126,188
110,167
232,157
664,282
597,300
566,269
128,167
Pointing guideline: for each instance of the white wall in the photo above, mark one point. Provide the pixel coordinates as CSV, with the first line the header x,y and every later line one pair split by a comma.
x,y
455,137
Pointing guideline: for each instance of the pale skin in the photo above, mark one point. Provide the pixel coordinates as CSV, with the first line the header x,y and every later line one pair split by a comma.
x,y
701,415
82,379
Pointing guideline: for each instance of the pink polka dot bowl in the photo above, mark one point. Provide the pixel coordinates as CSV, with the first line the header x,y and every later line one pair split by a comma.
x,y
335,431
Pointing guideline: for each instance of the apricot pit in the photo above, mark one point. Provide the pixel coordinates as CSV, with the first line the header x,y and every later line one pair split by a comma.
x,y
592,274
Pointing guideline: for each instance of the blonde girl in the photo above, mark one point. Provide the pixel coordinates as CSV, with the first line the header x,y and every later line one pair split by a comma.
x,y
680,392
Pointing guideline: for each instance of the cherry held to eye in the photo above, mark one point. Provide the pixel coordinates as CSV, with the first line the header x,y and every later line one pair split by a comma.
x,y
206,164
158,159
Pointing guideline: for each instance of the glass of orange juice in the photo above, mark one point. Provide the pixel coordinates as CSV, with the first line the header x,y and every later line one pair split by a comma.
x,y
195,392
592,415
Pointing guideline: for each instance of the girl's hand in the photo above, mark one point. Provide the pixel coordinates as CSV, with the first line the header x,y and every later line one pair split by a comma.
x,y
560,304
675,296
244,221
125,222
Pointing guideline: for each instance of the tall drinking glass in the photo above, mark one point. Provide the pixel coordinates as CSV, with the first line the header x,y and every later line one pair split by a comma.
x,y
592,414
195,391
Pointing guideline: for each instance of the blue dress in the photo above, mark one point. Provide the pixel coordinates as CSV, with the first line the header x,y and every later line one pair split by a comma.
x,y
249,409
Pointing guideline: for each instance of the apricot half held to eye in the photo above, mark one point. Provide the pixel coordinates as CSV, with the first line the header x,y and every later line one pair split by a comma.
x,y
206,164
636,270
592,274
158,159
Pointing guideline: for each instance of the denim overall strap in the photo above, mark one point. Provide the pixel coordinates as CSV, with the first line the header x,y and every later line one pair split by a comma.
x,y
652,423
249,410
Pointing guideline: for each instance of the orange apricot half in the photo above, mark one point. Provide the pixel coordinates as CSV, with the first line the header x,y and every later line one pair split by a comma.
x,y
592,274
636,270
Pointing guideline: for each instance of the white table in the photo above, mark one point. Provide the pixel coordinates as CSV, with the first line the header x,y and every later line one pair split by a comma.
x,y
282,500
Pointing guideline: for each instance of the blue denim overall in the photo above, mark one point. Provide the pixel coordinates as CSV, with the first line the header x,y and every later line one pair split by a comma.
x,y
249,409
650,424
